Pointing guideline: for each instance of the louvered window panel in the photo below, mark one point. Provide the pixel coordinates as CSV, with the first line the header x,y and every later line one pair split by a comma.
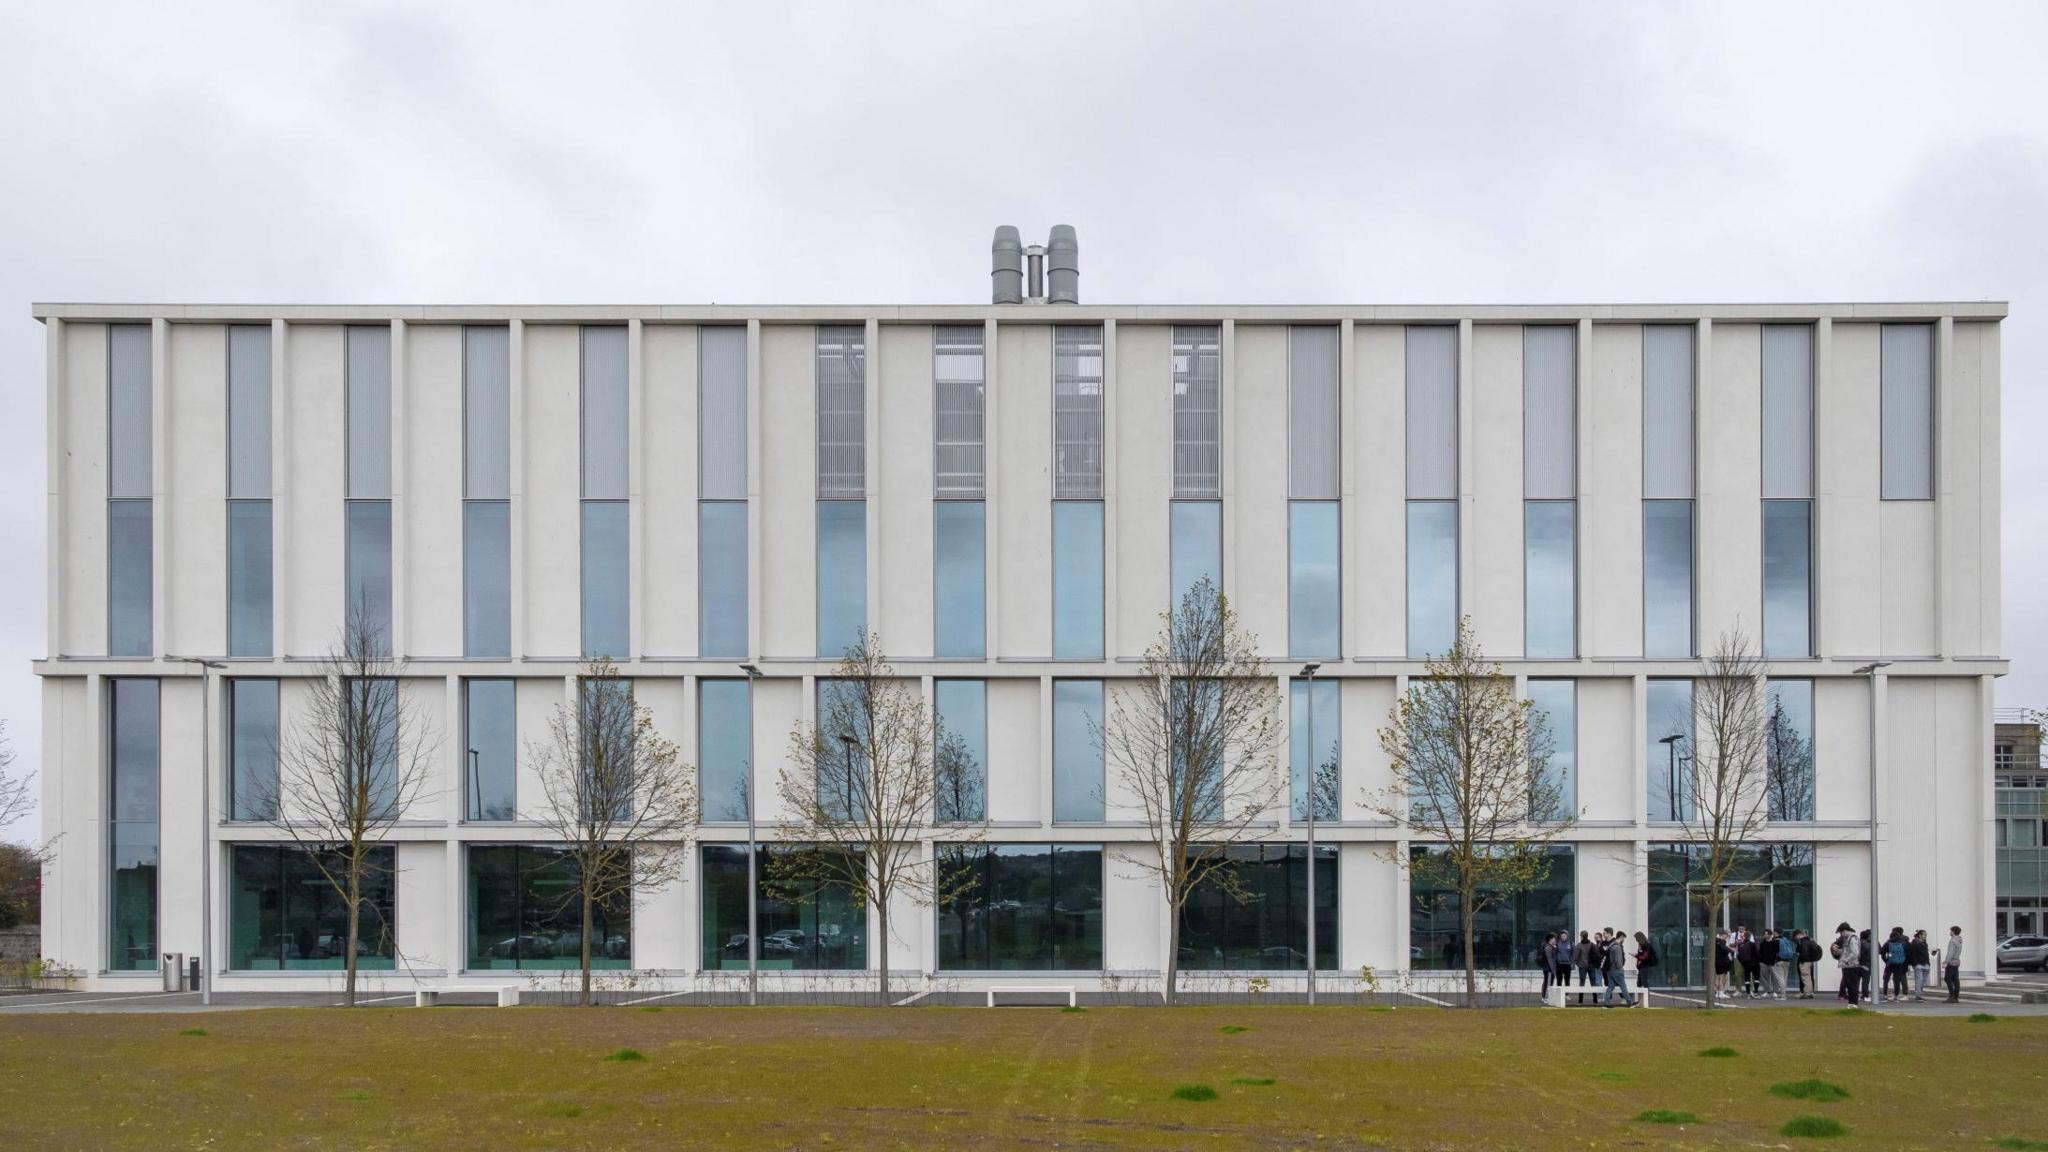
x,y
1077,413
1312,416
842,419
1197,412
958,397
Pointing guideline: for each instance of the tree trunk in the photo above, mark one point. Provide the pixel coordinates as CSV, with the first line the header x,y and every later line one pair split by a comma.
x,y
1171,990
882,918
1712,916
355,916
1465,921
585,1000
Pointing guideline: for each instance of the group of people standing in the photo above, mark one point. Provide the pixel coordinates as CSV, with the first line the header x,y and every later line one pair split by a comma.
x,y
1757,966
1897,958
1601,961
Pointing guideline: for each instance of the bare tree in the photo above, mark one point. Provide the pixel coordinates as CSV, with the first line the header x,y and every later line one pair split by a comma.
x,y
349,766
1470,763
16,795
862,786
1192,741
1727,785
617,796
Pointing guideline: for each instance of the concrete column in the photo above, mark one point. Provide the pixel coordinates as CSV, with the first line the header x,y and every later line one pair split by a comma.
x,y
160,640
871,486
1639,723
1582,487
1944,415
1466,495
1109,488
515,421
453,934
1045,750
401,517
55,554
1227,412
1702,402
756,609
636,499
1347,496
1823,479
1880,741
992,492
456,810
280,488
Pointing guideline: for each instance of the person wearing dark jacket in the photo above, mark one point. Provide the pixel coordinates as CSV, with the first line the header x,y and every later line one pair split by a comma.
x,y
1646,963
1893,956
1615,968
1724,962
1919,960
1746,955
1848,953
1587,961
1809,963
1952,964
1561,960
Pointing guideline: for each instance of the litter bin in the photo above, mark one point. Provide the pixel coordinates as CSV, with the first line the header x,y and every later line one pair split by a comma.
x,y
174,971
192,976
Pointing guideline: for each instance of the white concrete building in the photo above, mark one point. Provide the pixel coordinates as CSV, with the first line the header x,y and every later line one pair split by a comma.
x,y
1009,495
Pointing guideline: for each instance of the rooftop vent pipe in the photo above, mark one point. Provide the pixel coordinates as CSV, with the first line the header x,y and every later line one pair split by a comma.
x,y
1006,262
1063,266
1035,274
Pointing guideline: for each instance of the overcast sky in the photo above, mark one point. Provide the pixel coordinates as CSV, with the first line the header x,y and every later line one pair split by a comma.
x,y
766,153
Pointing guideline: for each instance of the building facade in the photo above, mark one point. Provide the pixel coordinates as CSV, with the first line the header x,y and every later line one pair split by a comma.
x,y
2022,785
1010,496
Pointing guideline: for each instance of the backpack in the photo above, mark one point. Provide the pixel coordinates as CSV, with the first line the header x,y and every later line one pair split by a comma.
x,y
1895,952
1786,949
1649,959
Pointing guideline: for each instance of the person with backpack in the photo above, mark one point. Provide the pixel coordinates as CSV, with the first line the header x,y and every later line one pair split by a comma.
x,y
1561,960
1787,958
1767,964
1893,990
1646,963
1952,963
1747,955
1809,954
1848,953
1724,962
1919,960
1615,968
1584,960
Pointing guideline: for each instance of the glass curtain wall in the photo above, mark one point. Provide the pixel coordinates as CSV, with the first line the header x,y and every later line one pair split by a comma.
x,y
804,925
1667,491
1432,415
1021,907
249,531
284,914
486,492
1264,923
130,488
1508,928
524,912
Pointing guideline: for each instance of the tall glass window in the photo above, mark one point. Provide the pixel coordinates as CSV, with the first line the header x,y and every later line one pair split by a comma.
x,y
959,519
725,748
1313,516
1197,529
284,914
1669,750
491,751
842,488
843,719
252,749
1507,928
607,587
1788,490
1788,751
1432,434
130,484
722,492
805,925
1906,384
486,492
1667,491
1555,705
1550,448
368,559
1768,886
963,750
132,811
523,912
1077,794
1021,907
1077,580
1259,921
1317,701
1313,612
249,569
959,614
842,575
1788,579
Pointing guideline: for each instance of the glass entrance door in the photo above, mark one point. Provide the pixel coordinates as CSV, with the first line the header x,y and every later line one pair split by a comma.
x,y
1752,906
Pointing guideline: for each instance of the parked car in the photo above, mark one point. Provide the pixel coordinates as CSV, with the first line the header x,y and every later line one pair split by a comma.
x,y
529,947
2029,952
787,942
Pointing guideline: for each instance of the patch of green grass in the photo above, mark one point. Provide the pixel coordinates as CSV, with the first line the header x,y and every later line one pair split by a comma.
x,y
1233,1029
2019,1145
1718,1053
1610,1076
1666,1116
1813,1126
650,1007
191,1031
1982,1018
355,1094
626,1056
1196,1092
1254,1081
1819,1091
1073,1008
563,1110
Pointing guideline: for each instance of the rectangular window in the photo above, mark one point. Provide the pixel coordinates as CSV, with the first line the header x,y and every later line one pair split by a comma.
x,y
1313,603
252,749
249,567
1507,927
722,579
1667,579
1197,412
1906,377
1076,753
491,753
1549,412
842,412
285,914
372,705
1554,706
368,555
1197,545
1077,409
1432,577
249,582
962,750
1258,921
805,925
132,810
959,579
1678,900
958,404
1313,440
606,446
1667,412
521,915
1788,751
1788,412
606,582
369,567
1788,579
1669,749
842,575
1549,564
487,491
1021,907
722,493
725,748
130,486
1077,580
1315,735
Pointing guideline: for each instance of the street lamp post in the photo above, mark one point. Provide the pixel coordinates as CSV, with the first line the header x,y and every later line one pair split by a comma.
x,y
206,668
1308,673
753,851
1871,671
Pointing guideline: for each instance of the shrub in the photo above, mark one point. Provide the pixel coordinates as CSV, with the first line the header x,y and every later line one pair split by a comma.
x,y
1233,1029
1819,1091
1254,1081
563,1110
626,1056
1073,1008
1982,1018
1197,1092
2019,1145
1718,1053
1666,1116
191,1031
1813,1126
1610,1075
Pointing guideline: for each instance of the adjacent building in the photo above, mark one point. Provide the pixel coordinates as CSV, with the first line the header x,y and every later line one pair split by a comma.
x,y
720,497
2022,785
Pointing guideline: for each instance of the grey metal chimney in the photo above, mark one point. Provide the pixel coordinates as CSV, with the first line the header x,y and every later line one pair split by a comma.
x,y
1006,263
1063,266
1034,273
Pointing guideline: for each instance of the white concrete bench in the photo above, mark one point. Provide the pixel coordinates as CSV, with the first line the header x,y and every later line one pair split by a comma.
x,y
1038,990
507,994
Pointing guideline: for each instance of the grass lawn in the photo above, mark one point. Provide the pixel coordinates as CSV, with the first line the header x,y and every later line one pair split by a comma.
x,y
937,1079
